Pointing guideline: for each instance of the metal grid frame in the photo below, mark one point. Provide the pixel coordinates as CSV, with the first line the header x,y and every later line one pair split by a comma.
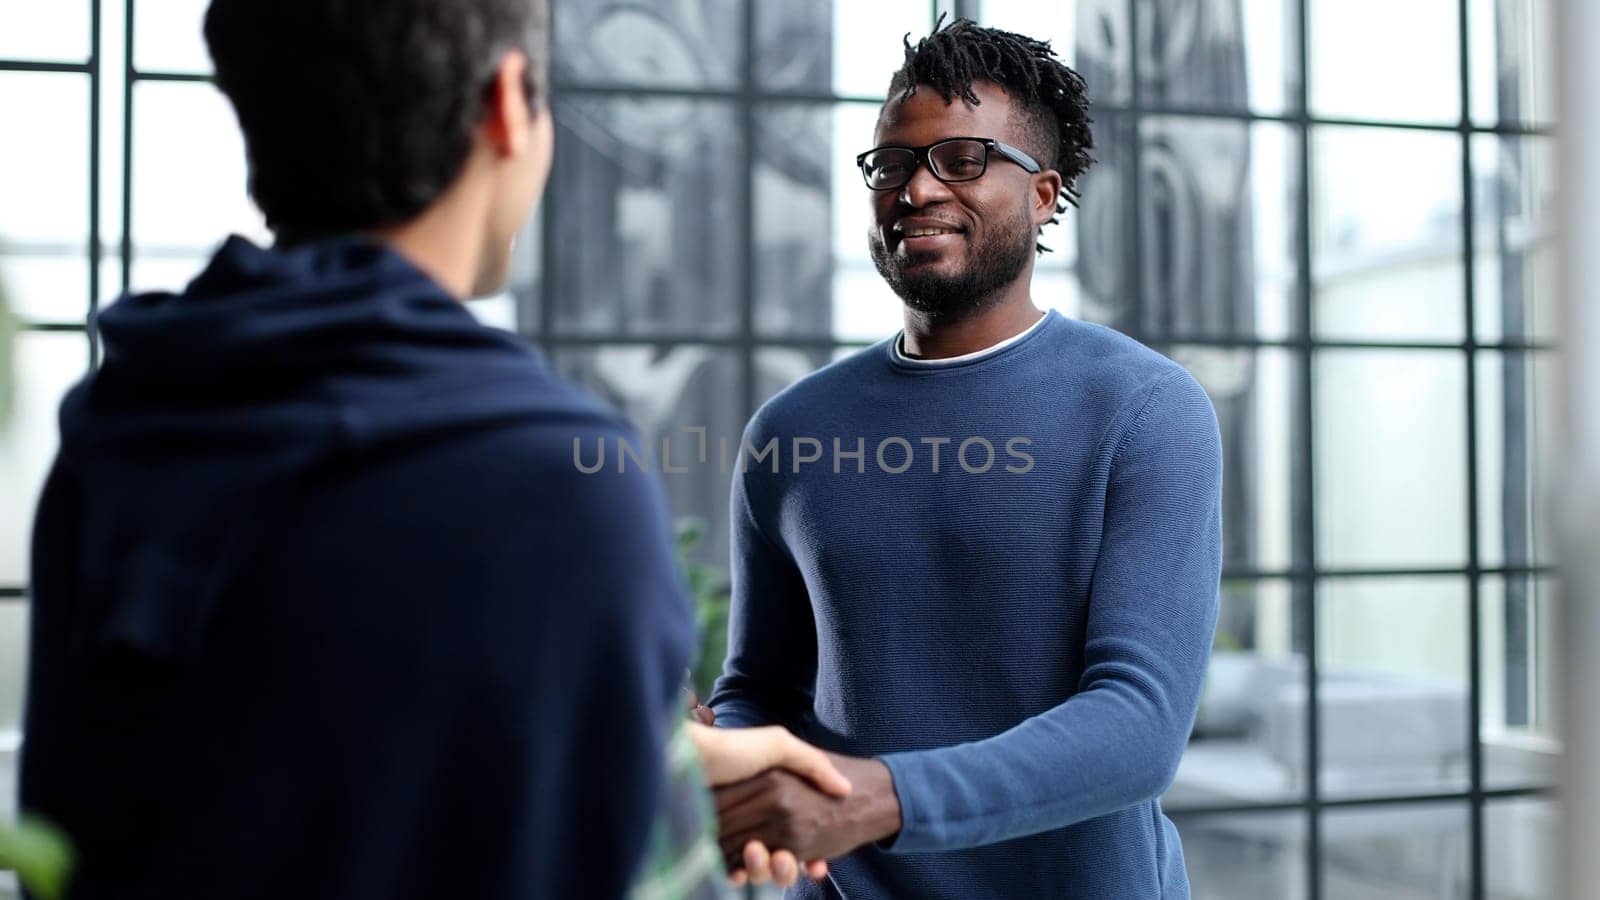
x,y
749,97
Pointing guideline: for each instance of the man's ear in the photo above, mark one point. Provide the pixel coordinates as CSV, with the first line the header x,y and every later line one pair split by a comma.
x,y
1046,195
507,106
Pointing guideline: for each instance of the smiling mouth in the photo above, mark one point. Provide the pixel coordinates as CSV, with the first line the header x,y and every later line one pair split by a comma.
x,y
925,232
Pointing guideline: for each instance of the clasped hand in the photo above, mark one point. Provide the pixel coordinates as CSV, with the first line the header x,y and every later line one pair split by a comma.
x,y
773,790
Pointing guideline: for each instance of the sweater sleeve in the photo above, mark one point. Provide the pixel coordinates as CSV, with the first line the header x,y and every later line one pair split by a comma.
x,y
770,674
1152,611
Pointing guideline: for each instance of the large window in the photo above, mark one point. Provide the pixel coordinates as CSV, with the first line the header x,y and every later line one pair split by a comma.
x,y
1335,213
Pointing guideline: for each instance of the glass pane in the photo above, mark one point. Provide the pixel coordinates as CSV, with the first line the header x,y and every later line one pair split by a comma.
x,y
849,49
1061,277
1392,682
1353,63
164,269
13,674
796,192
1521,837
1257,397
1220,223
1518,621
50,284
1401,852
1390,432
1386,234
190,194
110,275
44,365
1241,750
44,218
1515,253
167,36
55,31
647,194
1256,856
1105,262
111,121
44,162
1513,61
668,392
1095,38
1219,54
525,281
1516,457
660,43
778,367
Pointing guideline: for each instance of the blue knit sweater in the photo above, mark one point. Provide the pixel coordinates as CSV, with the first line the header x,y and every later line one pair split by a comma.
x,y
1000,577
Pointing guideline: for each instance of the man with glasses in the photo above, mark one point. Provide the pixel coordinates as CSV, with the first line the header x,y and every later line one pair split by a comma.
x,y
1004,648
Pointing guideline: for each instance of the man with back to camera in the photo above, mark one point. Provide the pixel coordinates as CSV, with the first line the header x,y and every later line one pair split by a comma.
x,y
985,569
321,605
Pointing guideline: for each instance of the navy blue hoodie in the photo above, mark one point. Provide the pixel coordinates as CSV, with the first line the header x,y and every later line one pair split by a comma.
x,y
323,607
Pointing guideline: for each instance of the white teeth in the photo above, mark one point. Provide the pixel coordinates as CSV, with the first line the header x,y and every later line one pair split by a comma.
x,y
927,232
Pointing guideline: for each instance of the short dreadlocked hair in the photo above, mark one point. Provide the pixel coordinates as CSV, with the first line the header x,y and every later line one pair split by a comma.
x,y
1051,98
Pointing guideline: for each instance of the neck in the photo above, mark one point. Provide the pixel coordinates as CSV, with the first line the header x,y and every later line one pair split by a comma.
x,y
445,240
930,337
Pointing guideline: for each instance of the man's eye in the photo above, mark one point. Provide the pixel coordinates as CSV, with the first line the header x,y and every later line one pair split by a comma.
x,y
965,164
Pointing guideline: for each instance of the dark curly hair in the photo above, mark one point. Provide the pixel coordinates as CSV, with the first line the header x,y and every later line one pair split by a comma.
x,y
359,113
1051,98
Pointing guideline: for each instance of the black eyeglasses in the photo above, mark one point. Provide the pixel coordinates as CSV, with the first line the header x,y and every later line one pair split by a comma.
x,y
950,160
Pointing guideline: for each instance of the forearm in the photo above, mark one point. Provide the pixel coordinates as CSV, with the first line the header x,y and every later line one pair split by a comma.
x,y
1104,750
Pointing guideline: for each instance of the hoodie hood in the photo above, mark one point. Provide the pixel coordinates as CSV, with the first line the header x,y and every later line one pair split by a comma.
x,y
192,442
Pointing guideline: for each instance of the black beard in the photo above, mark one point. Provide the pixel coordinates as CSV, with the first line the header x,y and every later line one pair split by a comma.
x,y
991,266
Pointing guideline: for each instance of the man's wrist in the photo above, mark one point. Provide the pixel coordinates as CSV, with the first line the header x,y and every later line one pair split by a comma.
x,y
874,804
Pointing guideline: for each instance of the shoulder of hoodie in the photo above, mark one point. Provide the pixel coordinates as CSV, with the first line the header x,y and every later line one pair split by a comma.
x,y
528,475
526,428
561,420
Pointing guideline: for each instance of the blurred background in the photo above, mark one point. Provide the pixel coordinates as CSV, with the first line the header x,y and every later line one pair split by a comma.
x,y
1337,214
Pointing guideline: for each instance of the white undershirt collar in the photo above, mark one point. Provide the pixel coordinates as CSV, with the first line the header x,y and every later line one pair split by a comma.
x,y
900,356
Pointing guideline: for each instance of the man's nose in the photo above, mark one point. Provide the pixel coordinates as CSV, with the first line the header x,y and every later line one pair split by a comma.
x,y
923,189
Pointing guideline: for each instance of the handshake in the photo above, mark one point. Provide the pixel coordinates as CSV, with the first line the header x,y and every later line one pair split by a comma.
x,y
781,801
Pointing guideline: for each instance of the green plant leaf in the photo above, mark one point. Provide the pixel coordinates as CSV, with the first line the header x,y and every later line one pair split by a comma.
x,y
709,591
41,854
690,531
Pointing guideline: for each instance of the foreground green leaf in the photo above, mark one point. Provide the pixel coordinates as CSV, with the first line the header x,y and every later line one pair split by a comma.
x,y
40,853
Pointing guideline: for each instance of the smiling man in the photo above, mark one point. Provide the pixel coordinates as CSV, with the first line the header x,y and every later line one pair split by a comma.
x,y
1006,653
